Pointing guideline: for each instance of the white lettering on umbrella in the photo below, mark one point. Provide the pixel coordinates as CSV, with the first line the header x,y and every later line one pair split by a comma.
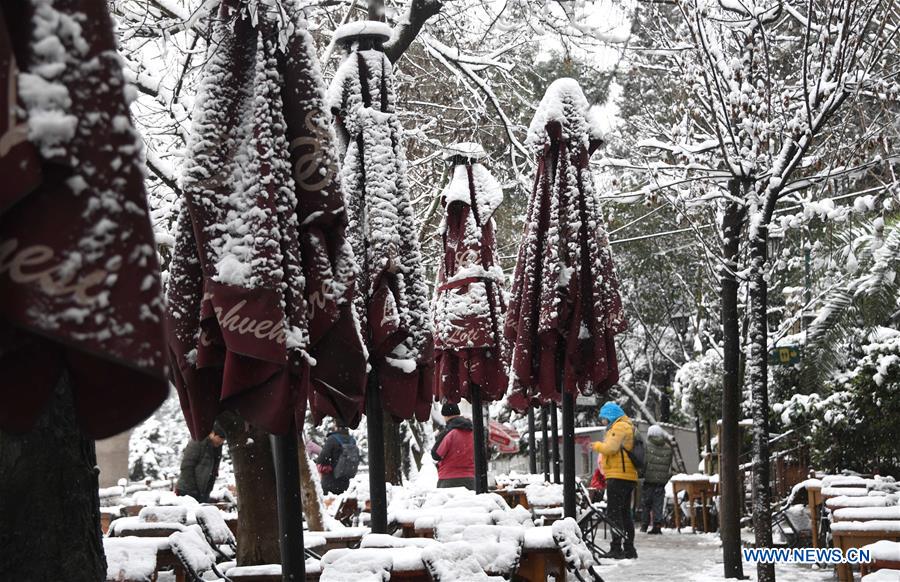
x,y
15,133
231,320
37,264
309,166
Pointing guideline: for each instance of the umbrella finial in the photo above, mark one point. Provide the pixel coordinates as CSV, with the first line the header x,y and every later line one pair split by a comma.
x,y
365,34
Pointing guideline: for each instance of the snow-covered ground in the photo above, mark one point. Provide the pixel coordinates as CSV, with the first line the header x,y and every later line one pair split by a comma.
x,y
687,557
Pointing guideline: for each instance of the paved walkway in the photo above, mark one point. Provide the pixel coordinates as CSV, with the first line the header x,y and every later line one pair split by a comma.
x,y
688,557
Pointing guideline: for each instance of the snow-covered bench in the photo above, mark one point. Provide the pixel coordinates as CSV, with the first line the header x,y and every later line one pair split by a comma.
x,y
857,534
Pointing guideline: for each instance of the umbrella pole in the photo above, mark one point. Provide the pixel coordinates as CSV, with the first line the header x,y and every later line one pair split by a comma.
x,y
568,420
532,446
545,444
481,480
290,506
554,442
375,432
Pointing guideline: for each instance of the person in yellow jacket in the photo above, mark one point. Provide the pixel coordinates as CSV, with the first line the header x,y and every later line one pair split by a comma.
x,y
621,476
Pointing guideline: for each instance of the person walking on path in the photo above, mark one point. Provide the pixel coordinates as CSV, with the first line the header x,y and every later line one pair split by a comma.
x,y
621,476
454,450
200,465
657,472
338,460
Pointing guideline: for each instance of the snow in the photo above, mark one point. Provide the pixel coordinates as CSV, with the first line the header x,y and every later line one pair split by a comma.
x,y
884,575
213,523
844,491
866,513
563,103
454,562
873,525
389,541
193,551
844,481
539,538
345,565
497,548
544,494
468,150
567,536
130,558
165,513
134,524
844,501
884,550
352,30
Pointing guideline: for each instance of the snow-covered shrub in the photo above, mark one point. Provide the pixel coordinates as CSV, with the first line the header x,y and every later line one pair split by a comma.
x,y
698,386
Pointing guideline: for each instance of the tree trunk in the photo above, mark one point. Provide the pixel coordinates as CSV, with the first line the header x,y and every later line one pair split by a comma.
x,y
254,473
730,518
310,492
393,451
49,503
757,372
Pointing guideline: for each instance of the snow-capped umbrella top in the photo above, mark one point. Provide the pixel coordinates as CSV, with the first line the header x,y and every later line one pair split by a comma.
x,y
348,33
565,307
79,279
262,277
392,300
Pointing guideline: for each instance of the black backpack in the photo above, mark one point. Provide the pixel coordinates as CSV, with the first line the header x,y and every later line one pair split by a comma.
x,y
348,462
638,453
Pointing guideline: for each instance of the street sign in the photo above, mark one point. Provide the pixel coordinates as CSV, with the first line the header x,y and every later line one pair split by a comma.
x,y
784,356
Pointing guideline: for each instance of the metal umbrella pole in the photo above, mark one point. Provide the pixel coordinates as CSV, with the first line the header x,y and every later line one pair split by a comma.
x,y
568,454
554,443
545,444
375,433
290,506
532,446
481,480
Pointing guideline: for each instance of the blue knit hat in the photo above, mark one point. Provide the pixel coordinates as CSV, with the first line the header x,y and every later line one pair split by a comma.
x,y
611,412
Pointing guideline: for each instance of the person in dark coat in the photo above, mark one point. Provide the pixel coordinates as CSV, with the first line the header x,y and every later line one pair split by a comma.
x,y
328,459
200,465
454,450
657,472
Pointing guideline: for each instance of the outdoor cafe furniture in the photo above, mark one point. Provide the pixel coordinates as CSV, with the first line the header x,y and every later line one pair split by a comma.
x,y
858,534
698,488
541,557
342,538
132,559
270,572
395,564
513,496
885,556
814,503
882,576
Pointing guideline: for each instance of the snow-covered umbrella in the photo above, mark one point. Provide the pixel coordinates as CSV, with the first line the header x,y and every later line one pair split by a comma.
x,y
79,278
468,301
262,277
392,297
565,307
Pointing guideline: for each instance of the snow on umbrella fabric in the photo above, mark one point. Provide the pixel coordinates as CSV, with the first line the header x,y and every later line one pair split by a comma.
x,y
468,302
392,297
261,279
565,307
78,271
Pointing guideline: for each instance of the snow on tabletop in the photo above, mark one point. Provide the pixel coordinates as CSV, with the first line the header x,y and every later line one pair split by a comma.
x,y
164,513
517,480
544,494
484,502
344,565
456,518
567,536
264,570
312,541
539,538
884,550
132,524
875,501
517,516
347,532
193,551
873,525
130,558
684,477
843,481
497,548
454,562
389,541
844,491
866,513
882,576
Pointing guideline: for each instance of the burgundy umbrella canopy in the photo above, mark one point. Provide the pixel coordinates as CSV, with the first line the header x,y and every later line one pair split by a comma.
x,y
468,303
261,280
79,279
565,307
392,298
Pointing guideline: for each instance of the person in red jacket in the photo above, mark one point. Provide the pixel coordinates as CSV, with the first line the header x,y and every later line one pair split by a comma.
x,y
454,450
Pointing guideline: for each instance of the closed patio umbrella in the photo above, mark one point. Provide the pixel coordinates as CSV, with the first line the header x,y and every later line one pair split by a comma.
x,y
262,278
392,298
565,308
468,302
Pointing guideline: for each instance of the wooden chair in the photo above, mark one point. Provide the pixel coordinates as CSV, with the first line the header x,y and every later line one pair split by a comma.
x,y
217,533
195,556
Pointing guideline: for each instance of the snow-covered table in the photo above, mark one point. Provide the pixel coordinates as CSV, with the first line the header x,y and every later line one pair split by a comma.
x,y
541,557
885,556
514,496
814,502
340,539
858,534
698,488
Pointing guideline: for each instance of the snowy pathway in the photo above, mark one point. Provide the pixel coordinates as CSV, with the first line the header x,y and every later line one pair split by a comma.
x,y
690,557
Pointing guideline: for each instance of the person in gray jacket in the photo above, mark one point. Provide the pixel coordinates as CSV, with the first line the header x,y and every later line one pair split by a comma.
x,y
657,472
200,465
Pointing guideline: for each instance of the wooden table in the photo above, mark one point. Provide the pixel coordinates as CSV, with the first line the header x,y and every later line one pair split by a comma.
x,y
697,489
540,564
857,539
513,497
814,504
